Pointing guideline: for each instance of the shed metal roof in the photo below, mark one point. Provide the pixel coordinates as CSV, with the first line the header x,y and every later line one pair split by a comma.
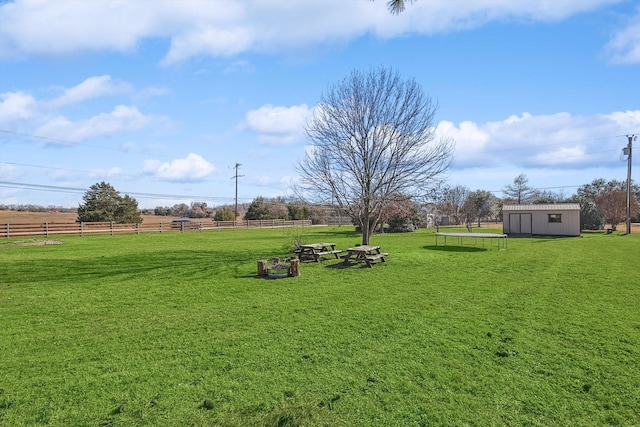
x,y
543,207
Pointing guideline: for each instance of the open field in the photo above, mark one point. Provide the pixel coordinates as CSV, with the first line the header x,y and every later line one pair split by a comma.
x,y
15,217
176,329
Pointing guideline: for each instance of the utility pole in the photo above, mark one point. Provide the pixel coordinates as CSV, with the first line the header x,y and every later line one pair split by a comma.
x,y
236,176
627,152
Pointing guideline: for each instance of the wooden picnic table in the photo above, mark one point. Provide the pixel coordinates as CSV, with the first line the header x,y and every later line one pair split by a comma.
x,y
313,251
366,254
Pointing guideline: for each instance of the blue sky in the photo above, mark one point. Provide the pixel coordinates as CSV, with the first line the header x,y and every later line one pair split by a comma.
x,y
161,99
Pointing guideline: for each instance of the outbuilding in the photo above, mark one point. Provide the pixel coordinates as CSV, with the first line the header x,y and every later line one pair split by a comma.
x,y
555,219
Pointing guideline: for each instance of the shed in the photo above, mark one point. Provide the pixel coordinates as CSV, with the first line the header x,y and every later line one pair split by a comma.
x,y
555,219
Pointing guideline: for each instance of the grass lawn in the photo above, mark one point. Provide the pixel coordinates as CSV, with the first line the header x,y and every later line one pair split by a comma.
x,y
176,329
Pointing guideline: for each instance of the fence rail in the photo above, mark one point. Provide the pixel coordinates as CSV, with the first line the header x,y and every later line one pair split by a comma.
x,y
340,220
48,229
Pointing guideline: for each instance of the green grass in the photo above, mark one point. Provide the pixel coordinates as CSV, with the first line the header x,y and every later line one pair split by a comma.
x,y
144,329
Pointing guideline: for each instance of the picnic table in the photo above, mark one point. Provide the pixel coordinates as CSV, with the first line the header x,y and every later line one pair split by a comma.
x,y
366,254
313,251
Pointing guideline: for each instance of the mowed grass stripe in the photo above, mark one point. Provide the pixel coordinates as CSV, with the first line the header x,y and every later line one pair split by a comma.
x,y
143,329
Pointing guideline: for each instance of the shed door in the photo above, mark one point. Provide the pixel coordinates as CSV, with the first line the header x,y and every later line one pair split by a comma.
x,y
520,223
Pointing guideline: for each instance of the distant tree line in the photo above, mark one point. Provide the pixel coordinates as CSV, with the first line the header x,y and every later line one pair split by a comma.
x,y
280,208
192,210
35,208
259,208
601,202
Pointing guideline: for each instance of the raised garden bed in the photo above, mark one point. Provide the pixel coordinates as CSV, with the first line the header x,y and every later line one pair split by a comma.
x,y
278,268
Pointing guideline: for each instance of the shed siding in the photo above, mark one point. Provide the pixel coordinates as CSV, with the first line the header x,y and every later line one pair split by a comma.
x,y
539,216
570,225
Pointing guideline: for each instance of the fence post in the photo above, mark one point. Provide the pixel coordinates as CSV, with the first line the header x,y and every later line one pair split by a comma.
x,y
137,228
46,229
7,231
111,228
81,229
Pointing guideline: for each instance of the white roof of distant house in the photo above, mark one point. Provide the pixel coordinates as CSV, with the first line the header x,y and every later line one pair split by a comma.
x,y
543,207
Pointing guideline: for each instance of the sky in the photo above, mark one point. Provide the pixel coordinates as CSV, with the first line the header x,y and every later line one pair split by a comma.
x,y
162,99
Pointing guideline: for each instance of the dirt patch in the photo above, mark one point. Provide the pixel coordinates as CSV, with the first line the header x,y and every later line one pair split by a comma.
x,y
32,242
53,217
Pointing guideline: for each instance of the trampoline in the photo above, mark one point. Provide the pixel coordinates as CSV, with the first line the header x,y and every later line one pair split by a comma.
x,y
482,236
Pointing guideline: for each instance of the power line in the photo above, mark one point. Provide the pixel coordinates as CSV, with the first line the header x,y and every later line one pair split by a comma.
x,y
58,140
526,147
559,187
236,176
71,143
62,169
77,190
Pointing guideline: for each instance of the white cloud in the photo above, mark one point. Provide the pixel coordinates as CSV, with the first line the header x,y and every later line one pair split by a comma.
x,y
624,47
76,26
468,135
121,119
152,91
562,156
45,118
208,41
9,172
278,125
625,119
240,66
190,169
111,172
224,28
547,141
16,106
93,87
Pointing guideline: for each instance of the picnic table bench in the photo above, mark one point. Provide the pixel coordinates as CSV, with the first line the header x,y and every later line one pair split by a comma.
x,y
366,254
313,251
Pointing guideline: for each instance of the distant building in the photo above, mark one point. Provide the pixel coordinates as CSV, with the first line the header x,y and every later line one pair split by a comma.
x,y
556,219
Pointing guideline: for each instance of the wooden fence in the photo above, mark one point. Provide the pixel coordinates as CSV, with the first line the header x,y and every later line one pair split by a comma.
x,y
82,228
339,220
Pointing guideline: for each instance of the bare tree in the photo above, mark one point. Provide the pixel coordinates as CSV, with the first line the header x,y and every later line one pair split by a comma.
x,y
519,190
596,200
453,202
613,205
547,196
372,138
477,205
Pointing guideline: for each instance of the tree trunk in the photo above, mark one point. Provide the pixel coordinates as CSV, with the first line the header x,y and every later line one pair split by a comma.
x,y
365,231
